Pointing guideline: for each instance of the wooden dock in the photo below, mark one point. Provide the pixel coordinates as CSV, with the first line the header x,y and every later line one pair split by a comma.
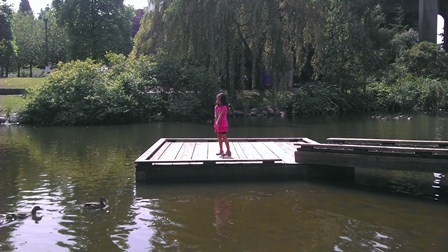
x,y
195,159
390,154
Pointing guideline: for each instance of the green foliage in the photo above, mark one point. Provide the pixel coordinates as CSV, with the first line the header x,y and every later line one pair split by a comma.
x,y
380,97
6,46
340,42
413,94
315,99
6,54
235,40
248,99
5,22
57,39
75,94
186,87
25,7
95,27
27,38
403,41
425,59
409,94
354,45
127,90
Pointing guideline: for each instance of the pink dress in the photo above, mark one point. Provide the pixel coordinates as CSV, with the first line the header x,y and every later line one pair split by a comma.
x,y
222,126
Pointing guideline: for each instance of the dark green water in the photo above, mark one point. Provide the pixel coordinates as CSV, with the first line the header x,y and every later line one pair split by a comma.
x,y
60,168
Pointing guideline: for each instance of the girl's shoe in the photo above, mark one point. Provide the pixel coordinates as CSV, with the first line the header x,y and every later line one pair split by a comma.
x,y
228,153
220,153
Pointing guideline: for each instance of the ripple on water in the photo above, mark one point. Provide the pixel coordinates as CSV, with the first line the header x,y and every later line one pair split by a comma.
x,y
135,234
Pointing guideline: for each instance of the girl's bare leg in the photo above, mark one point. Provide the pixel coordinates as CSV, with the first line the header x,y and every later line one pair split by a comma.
x,y
224,138
220,140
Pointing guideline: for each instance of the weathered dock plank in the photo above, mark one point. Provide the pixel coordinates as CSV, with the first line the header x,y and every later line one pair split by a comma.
x,y
213,149
390,142
155,151
239,151
171,152
374,157
249,150
235,152
284,155
264,151
200,151
175,159
191,159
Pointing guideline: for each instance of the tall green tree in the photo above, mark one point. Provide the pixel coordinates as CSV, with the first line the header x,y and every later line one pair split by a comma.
x,y
95,27
247,43
250,44
6,48
354,43
27,42
25,6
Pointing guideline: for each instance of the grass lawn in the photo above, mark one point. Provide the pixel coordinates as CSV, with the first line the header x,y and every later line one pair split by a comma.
x,y
11,103
20,82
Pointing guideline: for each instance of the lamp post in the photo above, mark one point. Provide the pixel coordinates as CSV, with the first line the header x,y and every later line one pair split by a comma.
x,y
46,40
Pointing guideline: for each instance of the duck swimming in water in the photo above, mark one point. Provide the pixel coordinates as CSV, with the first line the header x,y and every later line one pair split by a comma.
x,y
96,205
22,215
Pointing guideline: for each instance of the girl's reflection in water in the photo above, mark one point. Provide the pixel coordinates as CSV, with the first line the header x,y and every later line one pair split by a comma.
x,y
222,212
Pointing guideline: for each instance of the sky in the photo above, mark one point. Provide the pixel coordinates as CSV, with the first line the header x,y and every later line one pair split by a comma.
x,y
36,5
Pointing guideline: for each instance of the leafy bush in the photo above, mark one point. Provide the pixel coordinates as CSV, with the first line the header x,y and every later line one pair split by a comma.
x,y
414,94
315,99
126,90
75,94
247,99
409,94
425,59
380,97
186,87
282,100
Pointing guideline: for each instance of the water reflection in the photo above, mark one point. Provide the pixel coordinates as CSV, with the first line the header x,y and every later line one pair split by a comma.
x,y
437,185
221,210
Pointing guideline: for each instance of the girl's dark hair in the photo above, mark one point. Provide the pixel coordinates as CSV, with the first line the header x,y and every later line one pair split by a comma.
x,y
223,98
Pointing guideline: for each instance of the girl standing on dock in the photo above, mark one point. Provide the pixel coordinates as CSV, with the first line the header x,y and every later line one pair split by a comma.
x,y
221,124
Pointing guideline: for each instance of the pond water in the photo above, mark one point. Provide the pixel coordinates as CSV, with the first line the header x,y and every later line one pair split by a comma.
x,y
59,168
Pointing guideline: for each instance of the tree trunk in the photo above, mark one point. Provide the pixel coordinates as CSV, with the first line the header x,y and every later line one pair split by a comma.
x,y
31,69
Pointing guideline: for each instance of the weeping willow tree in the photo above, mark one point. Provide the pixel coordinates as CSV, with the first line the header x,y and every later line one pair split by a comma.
x,y
253,44
354,45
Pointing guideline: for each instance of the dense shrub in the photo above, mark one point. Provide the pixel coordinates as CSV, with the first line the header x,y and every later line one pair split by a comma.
x,y
75,94
425,59
409,94
126,90
315,99
282,100
186,86
380,97
247,99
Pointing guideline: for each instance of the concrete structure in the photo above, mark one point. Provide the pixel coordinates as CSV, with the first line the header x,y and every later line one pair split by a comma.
x,y
427,20
418,14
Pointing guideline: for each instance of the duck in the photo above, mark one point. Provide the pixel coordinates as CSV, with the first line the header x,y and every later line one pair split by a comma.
x,y
22,215
96,205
